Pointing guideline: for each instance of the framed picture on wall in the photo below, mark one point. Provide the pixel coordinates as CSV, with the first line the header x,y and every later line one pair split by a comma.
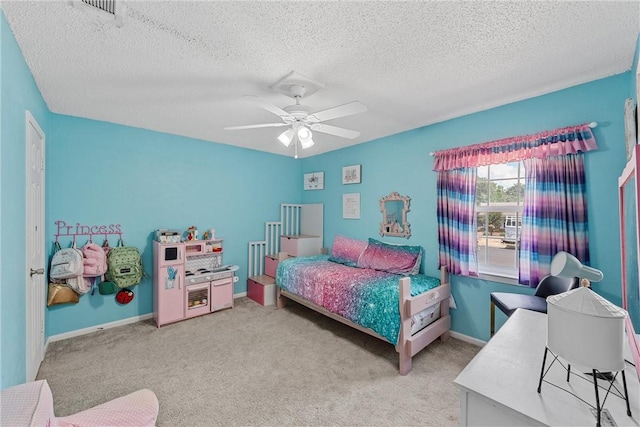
x,y
351,206
351,174
630,125
314,181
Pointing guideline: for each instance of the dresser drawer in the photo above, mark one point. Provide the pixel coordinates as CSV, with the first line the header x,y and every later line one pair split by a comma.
x,y
300,245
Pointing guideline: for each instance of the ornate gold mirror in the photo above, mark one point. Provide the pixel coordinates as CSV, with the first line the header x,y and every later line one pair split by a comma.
x,y
394,208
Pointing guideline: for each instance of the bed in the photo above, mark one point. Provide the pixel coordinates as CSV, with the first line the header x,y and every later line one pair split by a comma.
x,y
373,287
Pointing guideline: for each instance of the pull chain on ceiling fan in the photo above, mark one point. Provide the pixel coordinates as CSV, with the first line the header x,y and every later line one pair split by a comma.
x,y
302,121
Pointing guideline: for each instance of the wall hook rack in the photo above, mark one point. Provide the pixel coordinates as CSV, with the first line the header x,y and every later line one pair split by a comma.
x,y
63,229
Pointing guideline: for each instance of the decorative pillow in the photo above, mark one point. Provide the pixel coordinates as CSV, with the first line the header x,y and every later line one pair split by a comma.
x,y
347,251
397,259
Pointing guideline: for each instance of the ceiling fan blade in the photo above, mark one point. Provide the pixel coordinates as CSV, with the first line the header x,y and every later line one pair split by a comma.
x,y
267,105
264,125
334,130
349,109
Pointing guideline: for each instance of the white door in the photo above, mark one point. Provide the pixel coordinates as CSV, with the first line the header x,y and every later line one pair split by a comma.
x,y
35,262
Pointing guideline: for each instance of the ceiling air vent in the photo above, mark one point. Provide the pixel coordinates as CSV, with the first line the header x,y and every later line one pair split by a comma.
x,y
105,11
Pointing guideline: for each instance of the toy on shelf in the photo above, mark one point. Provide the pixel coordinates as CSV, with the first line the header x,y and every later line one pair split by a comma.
x,y
164,235
192,233
209,234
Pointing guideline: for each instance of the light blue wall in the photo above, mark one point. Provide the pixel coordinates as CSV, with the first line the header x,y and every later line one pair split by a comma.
x,y
402,163
101,174
19,93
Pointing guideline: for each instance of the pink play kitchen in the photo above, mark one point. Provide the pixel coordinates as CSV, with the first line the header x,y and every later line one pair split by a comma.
x,y
189,277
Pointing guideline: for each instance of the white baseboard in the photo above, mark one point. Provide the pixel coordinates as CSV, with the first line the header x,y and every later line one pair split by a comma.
x,y
97,328
467,338
109,325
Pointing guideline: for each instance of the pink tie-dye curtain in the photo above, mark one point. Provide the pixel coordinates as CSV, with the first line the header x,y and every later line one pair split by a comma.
x,y
457,235
555,215
559,142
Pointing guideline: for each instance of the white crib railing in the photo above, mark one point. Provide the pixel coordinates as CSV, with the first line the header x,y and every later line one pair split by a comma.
x,y
272,233
289,224
256,258
290,218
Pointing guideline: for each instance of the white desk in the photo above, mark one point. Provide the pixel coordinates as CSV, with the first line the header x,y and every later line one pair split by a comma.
x,y
499,386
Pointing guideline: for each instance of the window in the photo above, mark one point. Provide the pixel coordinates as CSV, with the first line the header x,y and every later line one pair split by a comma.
x,y
499,202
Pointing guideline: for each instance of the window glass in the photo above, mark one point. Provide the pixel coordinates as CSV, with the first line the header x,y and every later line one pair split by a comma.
x,y
499,200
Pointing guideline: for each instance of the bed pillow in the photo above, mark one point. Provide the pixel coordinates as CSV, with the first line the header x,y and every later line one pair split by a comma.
x,y
347,251
397,259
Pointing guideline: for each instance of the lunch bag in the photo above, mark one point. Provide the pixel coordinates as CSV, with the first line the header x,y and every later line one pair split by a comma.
x,y
124,266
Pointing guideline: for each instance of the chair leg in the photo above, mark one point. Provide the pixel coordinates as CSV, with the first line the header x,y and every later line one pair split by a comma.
x,y
493,318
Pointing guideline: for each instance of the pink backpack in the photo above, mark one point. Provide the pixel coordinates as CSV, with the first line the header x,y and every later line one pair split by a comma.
x,y
94,260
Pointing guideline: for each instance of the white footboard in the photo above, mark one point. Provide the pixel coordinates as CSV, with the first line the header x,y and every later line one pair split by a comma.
x,y
409,345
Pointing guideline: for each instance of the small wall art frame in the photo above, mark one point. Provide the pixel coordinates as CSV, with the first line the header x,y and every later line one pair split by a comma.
x,y
351,174
314,181
351,206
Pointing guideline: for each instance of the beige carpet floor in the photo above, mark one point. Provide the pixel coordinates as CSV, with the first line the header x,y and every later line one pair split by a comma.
x,y
255,365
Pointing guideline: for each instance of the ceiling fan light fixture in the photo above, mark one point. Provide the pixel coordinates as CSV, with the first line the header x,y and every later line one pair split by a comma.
x,y
300,120
304,133
305,137
286,137
307,143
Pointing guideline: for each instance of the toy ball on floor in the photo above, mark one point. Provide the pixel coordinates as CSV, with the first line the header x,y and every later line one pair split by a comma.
x,y
124,296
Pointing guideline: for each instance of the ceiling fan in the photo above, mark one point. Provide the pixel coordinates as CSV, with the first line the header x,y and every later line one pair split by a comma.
x,y
301,120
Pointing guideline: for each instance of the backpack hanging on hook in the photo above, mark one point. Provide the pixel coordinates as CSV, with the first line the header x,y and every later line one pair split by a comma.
x,y
94,260
95,264
124,265
68,264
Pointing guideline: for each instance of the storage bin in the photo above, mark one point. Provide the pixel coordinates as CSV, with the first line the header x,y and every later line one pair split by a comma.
x,y
300,245
262,289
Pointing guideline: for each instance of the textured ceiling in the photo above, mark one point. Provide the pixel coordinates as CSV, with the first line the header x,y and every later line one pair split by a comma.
x,y
182,66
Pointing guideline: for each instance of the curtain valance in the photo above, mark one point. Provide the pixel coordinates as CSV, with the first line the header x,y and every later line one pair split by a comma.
x,y
559,142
